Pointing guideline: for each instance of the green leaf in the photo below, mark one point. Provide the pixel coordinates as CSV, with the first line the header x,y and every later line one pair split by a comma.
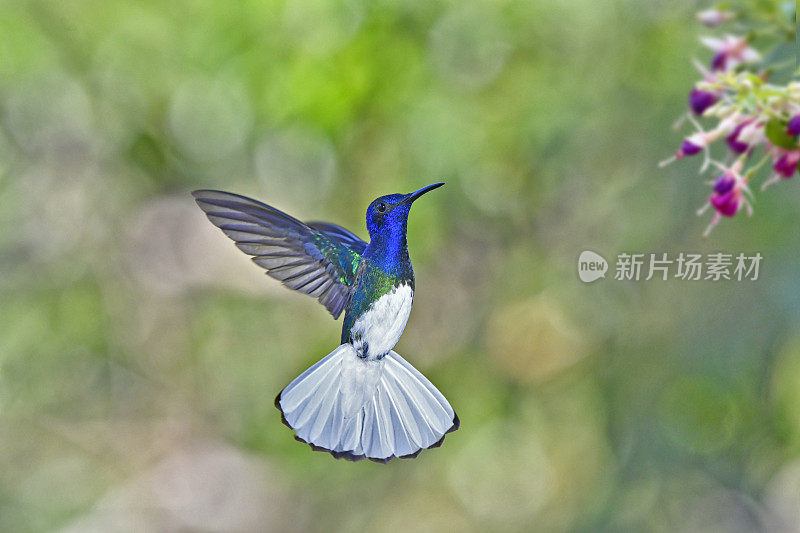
x,y
775,131
755,80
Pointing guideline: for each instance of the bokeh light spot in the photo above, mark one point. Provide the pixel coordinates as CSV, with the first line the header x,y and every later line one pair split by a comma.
x,y
697,414
469,46
533,340
210,117
320,27
502,474
295,164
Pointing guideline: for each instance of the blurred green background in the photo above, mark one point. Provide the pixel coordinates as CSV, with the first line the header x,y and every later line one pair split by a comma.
x,y
140,352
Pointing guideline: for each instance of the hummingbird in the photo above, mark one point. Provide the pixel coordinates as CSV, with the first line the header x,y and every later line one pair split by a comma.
x,y
362,400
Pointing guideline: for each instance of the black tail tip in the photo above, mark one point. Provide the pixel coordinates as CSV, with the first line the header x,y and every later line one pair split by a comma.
x,y
456,423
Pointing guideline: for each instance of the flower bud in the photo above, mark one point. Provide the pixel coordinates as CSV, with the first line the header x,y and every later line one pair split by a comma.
x,y
688,147
692,145
724,184
734,143
786,165
719,60
699,100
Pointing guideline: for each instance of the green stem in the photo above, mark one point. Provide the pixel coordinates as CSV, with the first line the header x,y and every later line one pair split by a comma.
x,y
755,168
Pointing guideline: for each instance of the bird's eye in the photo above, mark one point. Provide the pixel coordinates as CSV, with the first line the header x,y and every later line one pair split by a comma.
x,y
381,207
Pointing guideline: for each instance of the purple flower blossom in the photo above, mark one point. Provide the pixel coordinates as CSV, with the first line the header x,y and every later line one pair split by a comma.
x,y
719,60
692,145
700,100
730,52
735,92
786,165
793,127
727,204
727,196
688,148
734,143
724,184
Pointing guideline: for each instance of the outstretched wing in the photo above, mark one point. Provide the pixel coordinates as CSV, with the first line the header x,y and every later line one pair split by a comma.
x,y
340,235
303,258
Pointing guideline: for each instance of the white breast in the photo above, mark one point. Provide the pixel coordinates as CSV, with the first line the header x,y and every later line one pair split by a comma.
x,y
377,331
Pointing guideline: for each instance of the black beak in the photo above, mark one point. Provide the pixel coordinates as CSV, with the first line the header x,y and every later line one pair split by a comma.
x,y
416,194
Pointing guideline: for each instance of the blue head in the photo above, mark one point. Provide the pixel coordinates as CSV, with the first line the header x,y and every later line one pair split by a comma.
x,y
387,221
388,215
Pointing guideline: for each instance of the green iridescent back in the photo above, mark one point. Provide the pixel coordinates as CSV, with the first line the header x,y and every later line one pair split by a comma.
x,y
372,283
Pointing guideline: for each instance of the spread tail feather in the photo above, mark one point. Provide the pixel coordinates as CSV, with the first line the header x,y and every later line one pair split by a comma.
x,y
354,408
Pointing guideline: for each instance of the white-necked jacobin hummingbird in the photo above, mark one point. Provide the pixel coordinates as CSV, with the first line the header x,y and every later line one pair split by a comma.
x,y
362,399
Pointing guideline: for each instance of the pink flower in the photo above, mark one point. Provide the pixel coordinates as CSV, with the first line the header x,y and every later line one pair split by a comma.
x,y
727,196
727,204
729,52
786,165
712,18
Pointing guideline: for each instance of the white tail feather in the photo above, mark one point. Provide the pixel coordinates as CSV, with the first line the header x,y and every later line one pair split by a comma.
x,y
355,408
